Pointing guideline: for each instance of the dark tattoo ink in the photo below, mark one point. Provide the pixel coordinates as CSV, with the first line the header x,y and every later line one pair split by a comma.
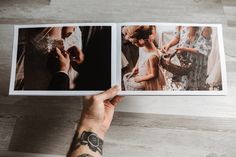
x,y
87,138
74,144
85,155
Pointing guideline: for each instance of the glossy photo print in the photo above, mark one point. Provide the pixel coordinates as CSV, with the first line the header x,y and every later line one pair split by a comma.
x,y
143,58
61,59
172,59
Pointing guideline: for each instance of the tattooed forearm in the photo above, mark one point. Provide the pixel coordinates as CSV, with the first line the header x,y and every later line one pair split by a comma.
x,y
87,138
85,155
74,145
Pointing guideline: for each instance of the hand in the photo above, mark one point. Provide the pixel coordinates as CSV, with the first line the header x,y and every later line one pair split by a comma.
x,y
76,54
64,61
95,120
137,79
160,53
76,57
134,71
98,111
165,48
181,49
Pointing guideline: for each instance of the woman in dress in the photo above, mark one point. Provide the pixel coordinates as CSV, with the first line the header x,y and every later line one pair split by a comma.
x,y
193,45
213,67
147,70
40,59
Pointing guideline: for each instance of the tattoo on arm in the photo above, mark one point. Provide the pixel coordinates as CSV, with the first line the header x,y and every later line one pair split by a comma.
x,y
87,138
85,155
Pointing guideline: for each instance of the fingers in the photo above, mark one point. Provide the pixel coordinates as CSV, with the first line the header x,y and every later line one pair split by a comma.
x,y
58,51
109,94
80,55
109,112
164,49
178,50
110,108
66,55
116,100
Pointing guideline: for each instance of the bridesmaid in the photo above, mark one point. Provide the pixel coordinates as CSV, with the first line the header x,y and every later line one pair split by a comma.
x,y
193,45
147,70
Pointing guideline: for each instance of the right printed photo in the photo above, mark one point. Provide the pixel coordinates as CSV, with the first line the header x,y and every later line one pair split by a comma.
x,y
170,58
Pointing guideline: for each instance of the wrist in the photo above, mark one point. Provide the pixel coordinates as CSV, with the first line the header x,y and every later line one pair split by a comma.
x,y
85,142
90,141
97,130
64,70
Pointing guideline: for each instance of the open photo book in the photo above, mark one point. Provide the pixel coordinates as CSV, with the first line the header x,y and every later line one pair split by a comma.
x,y
142,58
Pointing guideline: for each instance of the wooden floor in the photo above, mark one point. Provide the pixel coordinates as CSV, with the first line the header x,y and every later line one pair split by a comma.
x,y
143,126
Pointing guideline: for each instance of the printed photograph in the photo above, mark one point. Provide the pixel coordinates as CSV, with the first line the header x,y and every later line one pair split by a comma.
x,y
170,58
63,58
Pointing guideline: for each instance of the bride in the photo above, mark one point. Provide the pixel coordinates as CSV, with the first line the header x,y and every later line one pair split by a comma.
x,y
37,61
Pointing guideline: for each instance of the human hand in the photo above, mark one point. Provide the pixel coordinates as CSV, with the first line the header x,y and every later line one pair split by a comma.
x,y
98,111
76,54
64,60
181,49
134,71
165,48
137,79
95,120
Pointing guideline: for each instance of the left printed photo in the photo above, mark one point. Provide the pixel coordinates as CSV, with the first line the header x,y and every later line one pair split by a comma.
x,y
62,58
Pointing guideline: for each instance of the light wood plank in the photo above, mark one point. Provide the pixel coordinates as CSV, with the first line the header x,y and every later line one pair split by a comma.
x,y
19,154
152,142
181,126
210,11
46,135
6,129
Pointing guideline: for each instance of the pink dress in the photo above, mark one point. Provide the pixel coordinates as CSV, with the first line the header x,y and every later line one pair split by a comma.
x,y
156,83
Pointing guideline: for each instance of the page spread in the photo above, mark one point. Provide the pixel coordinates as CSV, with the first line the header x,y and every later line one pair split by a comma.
x,y
143,58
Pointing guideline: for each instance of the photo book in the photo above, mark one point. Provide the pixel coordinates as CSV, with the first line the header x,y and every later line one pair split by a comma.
x,y
143,58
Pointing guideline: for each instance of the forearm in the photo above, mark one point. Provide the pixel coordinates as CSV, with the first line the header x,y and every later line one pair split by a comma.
x,y
95,120
192,50
136,66
84,144
173,42
146,77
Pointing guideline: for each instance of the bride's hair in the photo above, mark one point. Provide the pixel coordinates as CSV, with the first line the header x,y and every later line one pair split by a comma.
x,y
143,32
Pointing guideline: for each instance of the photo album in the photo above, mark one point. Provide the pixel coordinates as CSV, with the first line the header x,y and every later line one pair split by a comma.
x,y
143,58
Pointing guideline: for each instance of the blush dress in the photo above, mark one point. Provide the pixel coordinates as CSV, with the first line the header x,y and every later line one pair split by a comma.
x,y
156,83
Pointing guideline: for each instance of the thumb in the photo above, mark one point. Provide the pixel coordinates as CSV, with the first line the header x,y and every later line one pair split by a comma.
x,y
110,93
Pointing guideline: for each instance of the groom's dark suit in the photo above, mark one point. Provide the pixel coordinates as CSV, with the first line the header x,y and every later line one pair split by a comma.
x,y
95,71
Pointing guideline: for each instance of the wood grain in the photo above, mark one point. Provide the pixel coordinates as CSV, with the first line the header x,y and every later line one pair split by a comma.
x,y
166,126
